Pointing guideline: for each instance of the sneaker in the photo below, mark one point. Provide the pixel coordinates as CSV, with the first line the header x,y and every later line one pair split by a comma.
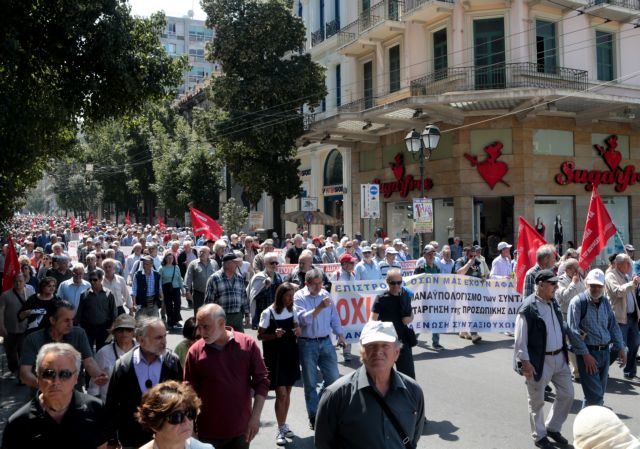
x,y
476,338
280,438
287,431
438,347
465,335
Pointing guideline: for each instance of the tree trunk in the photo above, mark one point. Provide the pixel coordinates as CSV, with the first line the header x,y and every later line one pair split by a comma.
x,y
277,219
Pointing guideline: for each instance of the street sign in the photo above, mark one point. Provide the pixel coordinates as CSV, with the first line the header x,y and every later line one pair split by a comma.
x,y
369,200
309,204
422,215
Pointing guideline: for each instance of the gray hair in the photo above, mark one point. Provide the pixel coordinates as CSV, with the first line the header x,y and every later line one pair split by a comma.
x,y
61,349
143,325
219,244
571,253
571,263
393,272
622,258
91,256
270,257
76,266
110,261
545,251
312,274
306,254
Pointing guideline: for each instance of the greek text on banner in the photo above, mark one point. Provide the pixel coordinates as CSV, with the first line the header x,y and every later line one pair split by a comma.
x,y
441,303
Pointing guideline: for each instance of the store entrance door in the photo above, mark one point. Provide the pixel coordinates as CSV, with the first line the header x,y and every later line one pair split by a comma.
x,y
492,224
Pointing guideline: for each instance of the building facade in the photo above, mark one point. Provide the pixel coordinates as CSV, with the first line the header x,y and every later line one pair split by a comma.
x,y
536,100
187,36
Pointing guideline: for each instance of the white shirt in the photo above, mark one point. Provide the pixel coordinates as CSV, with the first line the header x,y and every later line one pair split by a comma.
x,y
554,331
118,287
265,317
106,360
501,267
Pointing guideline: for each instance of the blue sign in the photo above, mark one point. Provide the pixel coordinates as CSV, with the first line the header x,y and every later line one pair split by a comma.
x,y
374,189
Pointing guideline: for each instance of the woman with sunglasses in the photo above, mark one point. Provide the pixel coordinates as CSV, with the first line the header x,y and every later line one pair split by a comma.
x,y
262,287
169,410
44,266
279,331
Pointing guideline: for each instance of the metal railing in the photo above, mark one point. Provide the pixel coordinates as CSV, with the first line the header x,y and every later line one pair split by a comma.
x,y
332,28
410,5
308,120
317,37
381,11
499,76
629,4
358,105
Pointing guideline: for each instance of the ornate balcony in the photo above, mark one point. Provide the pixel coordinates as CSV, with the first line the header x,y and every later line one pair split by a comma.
x,y
427,10
620,10
378,23
332,28
317,37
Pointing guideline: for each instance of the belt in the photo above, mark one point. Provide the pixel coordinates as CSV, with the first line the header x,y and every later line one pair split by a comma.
x,y
557,351
314,338
598,347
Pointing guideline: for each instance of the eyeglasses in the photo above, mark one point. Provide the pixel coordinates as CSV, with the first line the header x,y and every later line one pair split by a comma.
x,y
179,416
394,282
93,279
273,263
51,374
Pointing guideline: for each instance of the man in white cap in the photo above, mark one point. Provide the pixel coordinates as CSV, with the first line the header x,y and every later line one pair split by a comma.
x,y
375,392
501,267
594,329
398,245
389,261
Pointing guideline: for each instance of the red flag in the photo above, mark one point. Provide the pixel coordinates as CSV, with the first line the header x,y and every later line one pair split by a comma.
x,y
204,224
161,224
90,222
33,223
11,266
597,231
127,218
72,222
528,243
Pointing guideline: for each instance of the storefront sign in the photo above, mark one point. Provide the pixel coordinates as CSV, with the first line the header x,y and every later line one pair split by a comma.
x,y
491,169
403,184
304,172
621,177
334,190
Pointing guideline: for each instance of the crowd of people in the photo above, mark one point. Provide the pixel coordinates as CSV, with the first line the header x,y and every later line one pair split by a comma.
x,y
85,322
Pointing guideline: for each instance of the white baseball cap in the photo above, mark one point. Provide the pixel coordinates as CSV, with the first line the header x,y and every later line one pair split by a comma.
x,y
503,245
390,250
595,277
382,331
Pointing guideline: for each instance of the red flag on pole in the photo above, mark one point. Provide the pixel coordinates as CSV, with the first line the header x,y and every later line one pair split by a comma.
x,y
11,266
528,243
597,231
204,224
72,222
90,222
161,223
127,218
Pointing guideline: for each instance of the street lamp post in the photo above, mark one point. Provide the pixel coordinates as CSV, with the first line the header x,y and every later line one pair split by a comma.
x,y
421,146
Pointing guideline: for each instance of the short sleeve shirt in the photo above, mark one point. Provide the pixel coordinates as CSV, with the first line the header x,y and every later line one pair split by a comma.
x,y
32,344
293,254
393,308
265,317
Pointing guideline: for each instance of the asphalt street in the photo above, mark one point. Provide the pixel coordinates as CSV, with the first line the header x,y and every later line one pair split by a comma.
x,y
473,397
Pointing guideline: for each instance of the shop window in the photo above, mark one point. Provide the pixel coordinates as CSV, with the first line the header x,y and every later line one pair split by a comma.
x,y
600,139
546,212
333,169
367,80
389,153
480,138
618,208
443,220
553,142
338,86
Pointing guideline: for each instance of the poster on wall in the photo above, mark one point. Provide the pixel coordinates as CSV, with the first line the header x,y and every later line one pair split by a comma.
x,y
370,201
422,215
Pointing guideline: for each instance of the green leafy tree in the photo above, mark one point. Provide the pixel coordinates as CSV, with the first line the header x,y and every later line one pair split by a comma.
x,y
234,216
76,190
66,64
265,83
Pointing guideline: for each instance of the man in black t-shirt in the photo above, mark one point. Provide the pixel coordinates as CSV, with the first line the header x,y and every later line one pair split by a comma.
x,y
394,305
293,253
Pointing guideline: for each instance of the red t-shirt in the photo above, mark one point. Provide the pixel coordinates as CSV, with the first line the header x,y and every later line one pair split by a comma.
x,y
224,378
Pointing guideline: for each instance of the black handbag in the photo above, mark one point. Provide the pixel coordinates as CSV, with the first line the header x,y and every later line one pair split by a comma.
x,y
410,337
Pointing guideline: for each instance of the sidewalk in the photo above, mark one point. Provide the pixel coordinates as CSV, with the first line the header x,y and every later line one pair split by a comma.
x,y
12,395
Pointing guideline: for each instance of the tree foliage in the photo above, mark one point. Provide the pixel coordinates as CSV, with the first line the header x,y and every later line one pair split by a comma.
x,y
264,85
234,216
67,64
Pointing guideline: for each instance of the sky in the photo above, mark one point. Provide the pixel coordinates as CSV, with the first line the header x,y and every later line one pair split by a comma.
x,y
175,8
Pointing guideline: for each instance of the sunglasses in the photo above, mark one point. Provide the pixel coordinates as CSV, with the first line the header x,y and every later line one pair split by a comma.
x,y
179,416
94,280
394,282
51,374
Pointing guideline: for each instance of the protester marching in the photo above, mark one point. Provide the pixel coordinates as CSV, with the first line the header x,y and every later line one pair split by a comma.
x,y
90,304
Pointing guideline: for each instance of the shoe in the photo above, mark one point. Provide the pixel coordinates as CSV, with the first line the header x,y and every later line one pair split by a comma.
x,y
548,389
557,437
347,357
544,443
476,338
287,431
178,326
628,376
438,347
280,438
312,423
465,335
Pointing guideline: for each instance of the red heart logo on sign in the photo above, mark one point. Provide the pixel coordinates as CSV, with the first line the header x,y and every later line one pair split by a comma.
x,y
612,158
397,166
492,172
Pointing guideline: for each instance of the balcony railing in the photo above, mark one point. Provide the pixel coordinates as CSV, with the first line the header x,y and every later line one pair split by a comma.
x,y
308,120
332,28
629,4
499,76
317,37
410,5
381,11
358,105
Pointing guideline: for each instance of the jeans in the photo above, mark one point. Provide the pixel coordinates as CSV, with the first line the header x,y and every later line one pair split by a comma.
x,y
631,338
435,339
316,354
96,334
594,385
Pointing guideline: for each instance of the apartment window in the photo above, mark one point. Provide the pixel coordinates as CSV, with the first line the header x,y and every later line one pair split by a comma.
x,y
197,74
170,48
604,55
200,34
366,4
489,57
336,8
546,49
196,54
338,86
323,105
394,68
171,28
440,62
367,78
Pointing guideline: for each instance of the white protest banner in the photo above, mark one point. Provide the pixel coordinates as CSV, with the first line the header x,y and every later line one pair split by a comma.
x,y
72,250
408,267
441,303
330,269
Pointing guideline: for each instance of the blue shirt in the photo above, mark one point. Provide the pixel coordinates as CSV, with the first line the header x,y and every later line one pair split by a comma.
x,y
368,271
71,292
599,323
304,303
445,267
146,371
151,286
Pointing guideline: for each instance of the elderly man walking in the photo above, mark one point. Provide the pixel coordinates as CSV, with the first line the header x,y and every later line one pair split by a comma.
x,y
226,288
374,393
541,357
198,273
318,318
